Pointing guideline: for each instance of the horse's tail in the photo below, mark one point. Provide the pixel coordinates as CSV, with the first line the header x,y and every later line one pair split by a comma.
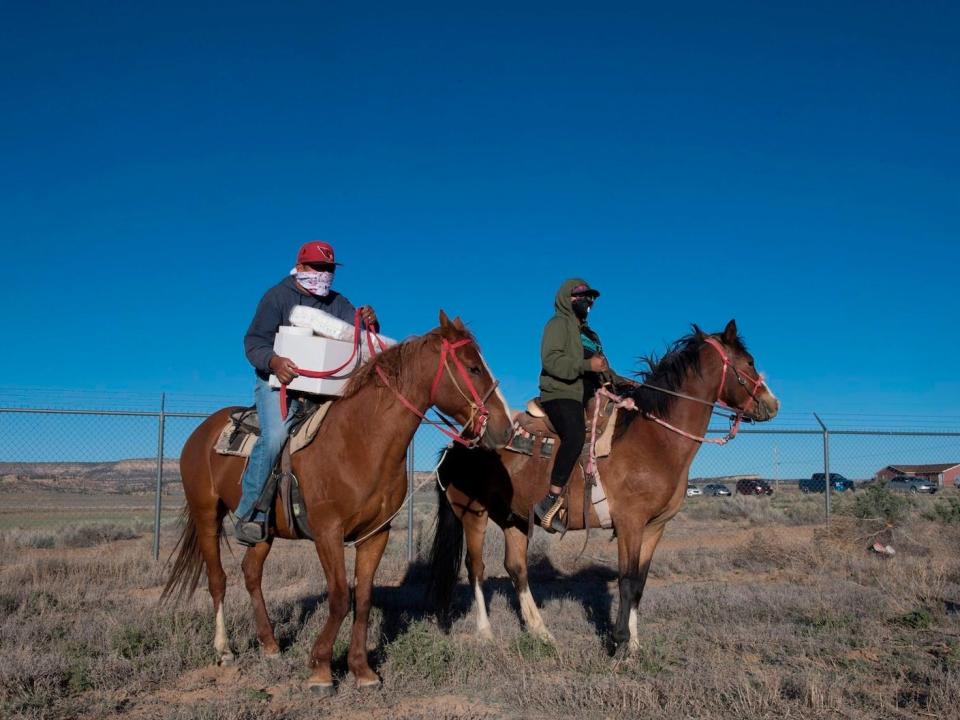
x,y
188,567
446,556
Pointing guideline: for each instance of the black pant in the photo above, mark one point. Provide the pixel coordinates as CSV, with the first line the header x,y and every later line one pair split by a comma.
x,y
567,418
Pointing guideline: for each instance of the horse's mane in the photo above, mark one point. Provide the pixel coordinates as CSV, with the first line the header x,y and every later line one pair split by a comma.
x,y
392,361
668,372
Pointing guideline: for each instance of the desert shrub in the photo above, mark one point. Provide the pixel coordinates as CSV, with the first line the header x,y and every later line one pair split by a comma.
x,y
878,503
947,511
423,652
130,641
96,534
8,604
532,648
804,511
71,536
751,510
915,620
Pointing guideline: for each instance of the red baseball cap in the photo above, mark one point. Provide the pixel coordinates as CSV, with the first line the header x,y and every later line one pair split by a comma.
x,y
316,251
584,290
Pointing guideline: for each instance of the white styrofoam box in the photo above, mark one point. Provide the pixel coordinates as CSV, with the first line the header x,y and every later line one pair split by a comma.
x,y
315,353
327,325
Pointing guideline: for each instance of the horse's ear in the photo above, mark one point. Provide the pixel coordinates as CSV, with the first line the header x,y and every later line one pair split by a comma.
x,y
730,332
697,331
458,323
444,320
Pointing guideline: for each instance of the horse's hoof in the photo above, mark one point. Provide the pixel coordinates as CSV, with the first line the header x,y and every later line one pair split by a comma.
x,y
485,634
368,684
226,660
322,689
273,654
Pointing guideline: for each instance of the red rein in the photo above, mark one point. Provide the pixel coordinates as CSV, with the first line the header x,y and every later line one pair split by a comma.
x,y
735,424
447,351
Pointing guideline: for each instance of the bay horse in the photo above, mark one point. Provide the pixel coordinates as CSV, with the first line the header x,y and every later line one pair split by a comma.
x,y
644,477
352,478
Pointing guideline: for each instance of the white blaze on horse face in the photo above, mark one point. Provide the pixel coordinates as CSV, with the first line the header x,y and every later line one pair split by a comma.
x,y
769,400
498,393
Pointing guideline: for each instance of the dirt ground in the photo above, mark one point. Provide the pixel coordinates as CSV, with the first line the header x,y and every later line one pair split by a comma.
x,y
751,611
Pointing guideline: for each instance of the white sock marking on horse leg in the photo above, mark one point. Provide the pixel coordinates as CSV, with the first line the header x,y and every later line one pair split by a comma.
x,y
221,643
498,392
483,622
634,634
531,616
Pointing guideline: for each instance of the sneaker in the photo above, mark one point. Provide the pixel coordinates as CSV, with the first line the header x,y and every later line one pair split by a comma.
x,y
548,514
249,532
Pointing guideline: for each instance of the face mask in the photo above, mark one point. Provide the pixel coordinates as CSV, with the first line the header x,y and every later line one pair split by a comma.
x,y
316,283
581,307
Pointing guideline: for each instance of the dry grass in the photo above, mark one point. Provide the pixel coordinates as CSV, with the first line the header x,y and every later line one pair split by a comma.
x,y
751,612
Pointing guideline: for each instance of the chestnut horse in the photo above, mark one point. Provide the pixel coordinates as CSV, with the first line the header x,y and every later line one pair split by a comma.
x,y
644,477
353,480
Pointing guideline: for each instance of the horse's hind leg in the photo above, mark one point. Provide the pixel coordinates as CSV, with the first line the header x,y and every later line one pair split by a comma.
x,y
515,561
252,566
369,553
474,528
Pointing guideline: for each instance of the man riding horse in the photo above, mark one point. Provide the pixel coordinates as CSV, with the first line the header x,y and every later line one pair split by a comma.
x,y
309,283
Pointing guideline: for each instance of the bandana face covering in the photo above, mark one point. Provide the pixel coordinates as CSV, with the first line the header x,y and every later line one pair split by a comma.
x,y
316,283
581,307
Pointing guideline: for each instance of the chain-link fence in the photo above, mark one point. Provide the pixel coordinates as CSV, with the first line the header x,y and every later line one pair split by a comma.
x,y
92,452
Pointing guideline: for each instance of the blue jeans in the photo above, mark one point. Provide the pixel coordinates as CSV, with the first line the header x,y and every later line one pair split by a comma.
x,y
273,434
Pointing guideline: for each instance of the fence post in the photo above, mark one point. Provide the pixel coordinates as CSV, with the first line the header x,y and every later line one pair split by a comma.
x,y
161,423
827,485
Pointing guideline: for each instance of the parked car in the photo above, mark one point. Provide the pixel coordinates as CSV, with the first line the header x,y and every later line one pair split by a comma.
x,y
838,483
693,490
754,487
716,490
911,484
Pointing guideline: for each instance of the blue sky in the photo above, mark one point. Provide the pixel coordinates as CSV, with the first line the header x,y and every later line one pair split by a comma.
x,y
792,166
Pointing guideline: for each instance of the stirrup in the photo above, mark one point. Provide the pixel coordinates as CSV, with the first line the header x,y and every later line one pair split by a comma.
x,y
548,516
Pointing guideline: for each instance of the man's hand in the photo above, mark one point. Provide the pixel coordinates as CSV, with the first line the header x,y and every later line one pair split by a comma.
x,y
598,363
369,316
284,368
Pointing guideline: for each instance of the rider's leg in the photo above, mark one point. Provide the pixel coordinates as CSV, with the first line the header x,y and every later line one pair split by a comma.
x,y
273,434
568,420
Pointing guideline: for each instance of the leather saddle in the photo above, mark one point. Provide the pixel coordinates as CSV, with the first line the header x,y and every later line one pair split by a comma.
x,y
535,435
535,419
238,438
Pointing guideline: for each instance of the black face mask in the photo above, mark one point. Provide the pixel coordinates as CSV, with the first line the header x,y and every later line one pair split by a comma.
x,y
581,307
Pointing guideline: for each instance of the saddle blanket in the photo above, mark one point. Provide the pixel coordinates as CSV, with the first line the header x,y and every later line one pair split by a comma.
x,y
242,429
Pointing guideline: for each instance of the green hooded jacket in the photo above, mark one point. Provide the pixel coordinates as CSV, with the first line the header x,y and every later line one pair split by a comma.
x,y
561,350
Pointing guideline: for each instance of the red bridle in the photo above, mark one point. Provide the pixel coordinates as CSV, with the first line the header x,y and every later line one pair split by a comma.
x,y
478,408
758,382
